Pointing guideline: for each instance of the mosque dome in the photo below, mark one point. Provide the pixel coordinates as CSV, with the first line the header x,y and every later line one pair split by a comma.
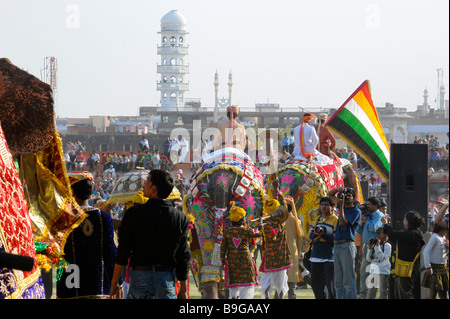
x,y
173,21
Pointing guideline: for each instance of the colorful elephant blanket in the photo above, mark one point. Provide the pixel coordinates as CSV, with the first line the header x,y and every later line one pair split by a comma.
x,y
16,232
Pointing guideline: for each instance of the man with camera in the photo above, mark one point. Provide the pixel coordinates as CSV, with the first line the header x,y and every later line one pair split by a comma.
x,y
371,219
344,242
322,241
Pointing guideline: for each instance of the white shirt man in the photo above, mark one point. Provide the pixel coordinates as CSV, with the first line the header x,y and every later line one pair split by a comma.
x,y
111,171
174,148
132,161
156,160
144,144
309,139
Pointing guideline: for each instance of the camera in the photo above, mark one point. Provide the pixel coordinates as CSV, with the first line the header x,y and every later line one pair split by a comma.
x,y
373,241
318,229
340,195
363,209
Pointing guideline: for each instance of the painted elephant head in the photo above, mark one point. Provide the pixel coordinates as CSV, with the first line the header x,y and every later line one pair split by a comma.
x,y
307,183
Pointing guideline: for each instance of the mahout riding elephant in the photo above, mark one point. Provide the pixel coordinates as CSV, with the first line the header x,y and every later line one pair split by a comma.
x,y
218,185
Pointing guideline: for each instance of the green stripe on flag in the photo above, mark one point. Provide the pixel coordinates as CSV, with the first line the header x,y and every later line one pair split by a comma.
x,y
361,131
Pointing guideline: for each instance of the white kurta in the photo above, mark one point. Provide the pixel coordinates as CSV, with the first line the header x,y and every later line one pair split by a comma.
x,y
184,150
310,141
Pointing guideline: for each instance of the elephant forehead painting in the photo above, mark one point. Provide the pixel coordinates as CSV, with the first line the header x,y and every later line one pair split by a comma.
x,y
307,183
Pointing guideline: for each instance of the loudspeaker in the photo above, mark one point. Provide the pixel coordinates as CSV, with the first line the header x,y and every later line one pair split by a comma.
x,y
408,182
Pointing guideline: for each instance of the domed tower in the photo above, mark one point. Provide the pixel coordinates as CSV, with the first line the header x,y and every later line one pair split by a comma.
x,y
174,67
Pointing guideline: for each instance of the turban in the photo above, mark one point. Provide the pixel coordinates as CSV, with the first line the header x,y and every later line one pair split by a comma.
x,y
270,206
236,213
75,177
323,117
175,194
233,108
307,117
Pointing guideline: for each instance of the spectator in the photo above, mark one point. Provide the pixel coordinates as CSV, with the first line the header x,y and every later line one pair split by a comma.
x,y
109,157
409,243
322,259
435,263
132,161
90,247
80,162
79,146
70,146
166,147
378,255
72,160
148,160
124,163
344,246
143,144
285,143
153,239
111,171
291,142
156,160
174,149
353,158
435,158
344,153
95,158
115,161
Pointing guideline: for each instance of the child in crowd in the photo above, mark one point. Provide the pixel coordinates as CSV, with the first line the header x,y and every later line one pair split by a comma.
x,y
378,254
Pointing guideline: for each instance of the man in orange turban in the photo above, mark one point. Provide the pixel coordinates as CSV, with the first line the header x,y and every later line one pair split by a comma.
x,y
306,141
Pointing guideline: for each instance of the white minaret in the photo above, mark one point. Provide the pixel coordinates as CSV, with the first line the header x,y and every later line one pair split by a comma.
x,y
174,66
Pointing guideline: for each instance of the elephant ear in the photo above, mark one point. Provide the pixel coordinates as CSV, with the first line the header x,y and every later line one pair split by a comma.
x,y
26,109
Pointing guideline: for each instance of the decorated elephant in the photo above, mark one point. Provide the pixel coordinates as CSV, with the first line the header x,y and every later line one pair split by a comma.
x,y
306,182
228,178
37,209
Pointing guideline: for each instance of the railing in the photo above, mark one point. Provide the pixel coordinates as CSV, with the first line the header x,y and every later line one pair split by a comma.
x,y
298,110
172,68
173,50
172,86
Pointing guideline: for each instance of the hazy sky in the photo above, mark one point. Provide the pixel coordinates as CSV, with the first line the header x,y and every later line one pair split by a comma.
x,y
309,53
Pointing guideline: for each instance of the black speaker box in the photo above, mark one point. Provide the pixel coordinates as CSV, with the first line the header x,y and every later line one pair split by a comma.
x,y
408,182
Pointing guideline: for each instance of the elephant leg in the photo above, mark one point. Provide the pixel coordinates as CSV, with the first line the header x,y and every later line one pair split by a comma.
x,y
210,290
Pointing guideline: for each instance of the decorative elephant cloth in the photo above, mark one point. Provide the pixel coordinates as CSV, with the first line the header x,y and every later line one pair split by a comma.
x,y
234,177
53,209
26,109
307,182
16,232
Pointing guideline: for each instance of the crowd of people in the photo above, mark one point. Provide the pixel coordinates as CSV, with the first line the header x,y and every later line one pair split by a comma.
x,y
437,151
355,250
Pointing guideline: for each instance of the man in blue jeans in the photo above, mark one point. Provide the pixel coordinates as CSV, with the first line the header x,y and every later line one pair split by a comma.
x,y
153,237
344,242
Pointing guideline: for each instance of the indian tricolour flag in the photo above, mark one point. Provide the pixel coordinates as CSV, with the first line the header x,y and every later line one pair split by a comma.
x,y
357,123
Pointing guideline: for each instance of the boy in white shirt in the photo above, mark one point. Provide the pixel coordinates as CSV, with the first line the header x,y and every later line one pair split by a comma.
x,y
378,254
